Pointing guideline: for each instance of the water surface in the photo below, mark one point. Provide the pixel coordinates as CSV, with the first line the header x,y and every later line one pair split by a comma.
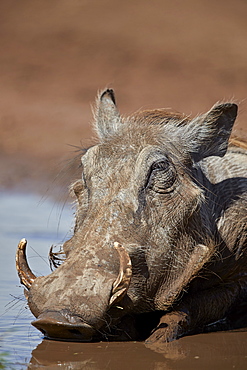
x,y
43,223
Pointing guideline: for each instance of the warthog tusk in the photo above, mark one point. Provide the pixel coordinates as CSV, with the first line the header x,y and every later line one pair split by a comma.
x,y
25,274
121,284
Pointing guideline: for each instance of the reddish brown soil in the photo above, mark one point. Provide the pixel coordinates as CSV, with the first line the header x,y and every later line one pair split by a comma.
x,y
55,56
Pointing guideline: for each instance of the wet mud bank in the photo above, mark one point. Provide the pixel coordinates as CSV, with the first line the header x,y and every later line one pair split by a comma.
x,y
56,56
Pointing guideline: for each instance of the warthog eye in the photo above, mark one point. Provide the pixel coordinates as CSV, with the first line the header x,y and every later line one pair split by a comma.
x,y
161,176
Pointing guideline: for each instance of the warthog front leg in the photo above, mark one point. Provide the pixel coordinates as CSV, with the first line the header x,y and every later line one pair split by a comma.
x,y
198,311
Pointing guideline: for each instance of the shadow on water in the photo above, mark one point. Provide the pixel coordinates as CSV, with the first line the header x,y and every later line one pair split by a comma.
x,y
22,346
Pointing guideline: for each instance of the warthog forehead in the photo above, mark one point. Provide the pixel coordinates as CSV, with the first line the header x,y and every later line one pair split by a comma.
x,y
120,157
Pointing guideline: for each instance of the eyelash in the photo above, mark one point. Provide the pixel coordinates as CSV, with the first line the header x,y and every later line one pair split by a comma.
x,y
160,165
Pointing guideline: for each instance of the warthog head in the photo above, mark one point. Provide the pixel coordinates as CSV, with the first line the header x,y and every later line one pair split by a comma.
x,y
142,229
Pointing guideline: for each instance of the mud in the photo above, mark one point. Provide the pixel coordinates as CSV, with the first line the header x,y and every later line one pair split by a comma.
x,y
56,55
212,351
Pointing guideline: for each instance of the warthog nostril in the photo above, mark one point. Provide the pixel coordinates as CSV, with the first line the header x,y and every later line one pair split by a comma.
x,y
56,326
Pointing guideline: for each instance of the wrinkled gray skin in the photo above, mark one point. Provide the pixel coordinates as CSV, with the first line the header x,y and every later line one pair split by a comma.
x,y
166,188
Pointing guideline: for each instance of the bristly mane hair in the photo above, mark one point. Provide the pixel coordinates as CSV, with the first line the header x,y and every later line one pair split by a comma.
x,y
159,117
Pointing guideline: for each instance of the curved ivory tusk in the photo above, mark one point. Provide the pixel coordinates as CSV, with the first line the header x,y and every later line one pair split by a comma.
x,y
121,284
25,274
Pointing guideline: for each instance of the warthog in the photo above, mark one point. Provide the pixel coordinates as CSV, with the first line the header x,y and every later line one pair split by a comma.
x,y
159,244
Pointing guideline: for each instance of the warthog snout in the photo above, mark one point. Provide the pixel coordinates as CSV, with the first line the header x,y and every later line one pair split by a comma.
x,y
68,325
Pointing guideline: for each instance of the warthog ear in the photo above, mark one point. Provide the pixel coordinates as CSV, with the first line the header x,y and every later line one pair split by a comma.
x,y
107,115
208,134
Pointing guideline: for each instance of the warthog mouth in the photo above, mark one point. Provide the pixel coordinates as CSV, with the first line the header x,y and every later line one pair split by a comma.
x,y
65,326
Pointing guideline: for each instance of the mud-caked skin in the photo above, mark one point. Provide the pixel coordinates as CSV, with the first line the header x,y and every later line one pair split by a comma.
x,y
173,193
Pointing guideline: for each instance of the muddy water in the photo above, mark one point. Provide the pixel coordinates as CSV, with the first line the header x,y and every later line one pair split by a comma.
x,y
21,345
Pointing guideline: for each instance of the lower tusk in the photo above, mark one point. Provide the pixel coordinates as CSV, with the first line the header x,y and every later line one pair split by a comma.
x,y
25,274
121,284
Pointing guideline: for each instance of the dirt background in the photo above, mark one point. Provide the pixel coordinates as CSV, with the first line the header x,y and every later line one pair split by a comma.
x,y
56,54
